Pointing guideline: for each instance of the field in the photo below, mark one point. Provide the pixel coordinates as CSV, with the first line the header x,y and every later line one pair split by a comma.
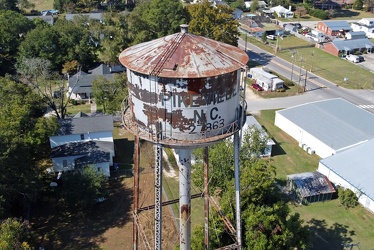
x,y
42,4
330,223
321,63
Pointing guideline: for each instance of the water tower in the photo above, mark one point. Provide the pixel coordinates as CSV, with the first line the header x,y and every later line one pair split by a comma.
x,y
185,92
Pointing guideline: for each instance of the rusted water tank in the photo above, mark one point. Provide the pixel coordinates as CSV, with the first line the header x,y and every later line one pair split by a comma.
x,y
184,90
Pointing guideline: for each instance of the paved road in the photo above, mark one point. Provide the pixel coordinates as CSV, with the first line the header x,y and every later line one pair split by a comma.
x,y
317,88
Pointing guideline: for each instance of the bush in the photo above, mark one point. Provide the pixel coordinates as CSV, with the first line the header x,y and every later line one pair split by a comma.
x,y
321,14
347,197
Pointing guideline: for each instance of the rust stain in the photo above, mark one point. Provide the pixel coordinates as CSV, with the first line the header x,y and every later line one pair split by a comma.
x,y
185,212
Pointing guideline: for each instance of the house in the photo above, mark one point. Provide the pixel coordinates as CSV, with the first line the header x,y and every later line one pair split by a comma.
x,y
366,25
282,11
266,80
261,4
96,16
326,127
353,169
350,46
310,187
81,141
252,122
237,14
333,28
80,84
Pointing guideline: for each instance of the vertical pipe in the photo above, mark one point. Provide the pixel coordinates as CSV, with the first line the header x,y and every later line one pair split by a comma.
x,y
136,193
206,199
184,161
237,189
158,197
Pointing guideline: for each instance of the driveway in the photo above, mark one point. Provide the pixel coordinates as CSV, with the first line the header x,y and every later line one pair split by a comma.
x,y
368,63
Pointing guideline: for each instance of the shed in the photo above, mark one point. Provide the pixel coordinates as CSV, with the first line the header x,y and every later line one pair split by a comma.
x,y
310,187
265,79
353,169
326,127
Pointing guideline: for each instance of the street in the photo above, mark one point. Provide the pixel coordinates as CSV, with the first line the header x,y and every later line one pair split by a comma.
x,y
317,87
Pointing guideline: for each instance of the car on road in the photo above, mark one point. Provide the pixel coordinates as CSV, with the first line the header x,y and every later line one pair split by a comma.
x,y
257,87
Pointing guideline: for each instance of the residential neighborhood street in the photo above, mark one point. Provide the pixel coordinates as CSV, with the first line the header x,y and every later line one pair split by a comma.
x,y
317,87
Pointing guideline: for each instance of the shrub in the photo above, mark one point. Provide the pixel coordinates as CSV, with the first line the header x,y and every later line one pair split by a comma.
x,y
321,14
347,197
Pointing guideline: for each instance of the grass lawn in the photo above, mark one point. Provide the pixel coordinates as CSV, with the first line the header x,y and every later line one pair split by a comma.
x,y
42,4
321,63
330,223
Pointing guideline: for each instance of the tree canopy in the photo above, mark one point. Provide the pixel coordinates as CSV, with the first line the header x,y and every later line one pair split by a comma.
x,y
214,22
23,142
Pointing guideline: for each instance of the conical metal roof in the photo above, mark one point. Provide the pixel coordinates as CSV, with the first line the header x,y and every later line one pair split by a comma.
x,y
183,55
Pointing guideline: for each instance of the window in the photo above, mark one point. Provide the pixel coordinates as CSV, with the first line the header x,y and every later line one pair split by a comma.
x,y
82,136
99,169
65,163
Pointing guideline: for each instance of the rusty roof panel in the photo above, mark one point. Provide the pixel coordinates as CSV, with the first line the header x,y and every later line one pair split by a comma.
x,y
183,55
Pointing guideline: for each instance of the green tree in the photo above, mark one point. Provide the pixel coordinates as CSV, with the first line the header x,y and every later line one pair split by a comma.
x,y
263,37
13,28
156,18
358,4
81,188
254,5
8,5
23,142
347,197
254,143
214,22
14,235
110,93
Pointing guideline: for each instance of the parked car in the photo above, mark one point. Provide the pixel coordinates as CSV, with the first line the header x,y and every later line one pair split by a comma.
x,y
257,87
361,58
271,37
352,58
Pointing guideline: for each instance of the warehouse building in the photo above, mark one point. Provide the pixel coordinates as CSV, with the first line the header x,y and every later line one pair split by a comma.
x,y
353,169
326,127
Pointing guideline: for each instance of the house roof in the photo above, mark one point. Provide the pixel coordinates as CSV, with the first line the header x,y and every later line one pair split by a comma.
x,y
86,79
352,44
91,152
357,34
355,165
47,19
97,16
280,9
251,121
337,25
85,124
335,122
311,183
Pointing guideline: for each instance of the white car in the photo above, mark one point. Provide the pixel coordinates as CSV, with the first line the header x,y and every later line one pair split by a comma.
x,y
271,37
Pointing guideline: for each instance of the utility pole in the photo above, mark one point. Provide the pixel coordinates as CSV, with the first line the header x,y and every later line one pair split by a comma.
x,y
293,61
306,76
301,64
311,66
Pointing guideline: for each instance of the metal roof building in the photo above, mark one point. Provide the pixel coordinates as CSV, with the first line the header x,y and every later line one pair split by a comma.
x,y
310,187
327,127
353,169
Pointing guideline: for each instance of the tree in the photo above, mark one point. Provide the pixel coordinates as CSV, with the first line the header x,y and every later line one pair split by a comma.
x,y
254,143
13,28
81,188
110,93
214,22
35,72
300,11
254,5
8,5
368,5
23,142
347,197
14,235
156,18
263,37
358,4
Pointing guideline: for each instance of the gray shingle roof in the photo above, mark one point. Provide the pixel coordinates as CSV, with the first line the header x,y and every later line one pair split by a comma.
x,y
91,152
356,166
82,125
335,122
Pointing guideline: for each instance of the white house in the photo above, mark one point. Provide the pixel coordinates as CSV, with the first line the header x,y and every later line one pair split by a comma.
x,y
252,122
261,4
366,25
353,169
282,11
266,80
81,141
326,127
